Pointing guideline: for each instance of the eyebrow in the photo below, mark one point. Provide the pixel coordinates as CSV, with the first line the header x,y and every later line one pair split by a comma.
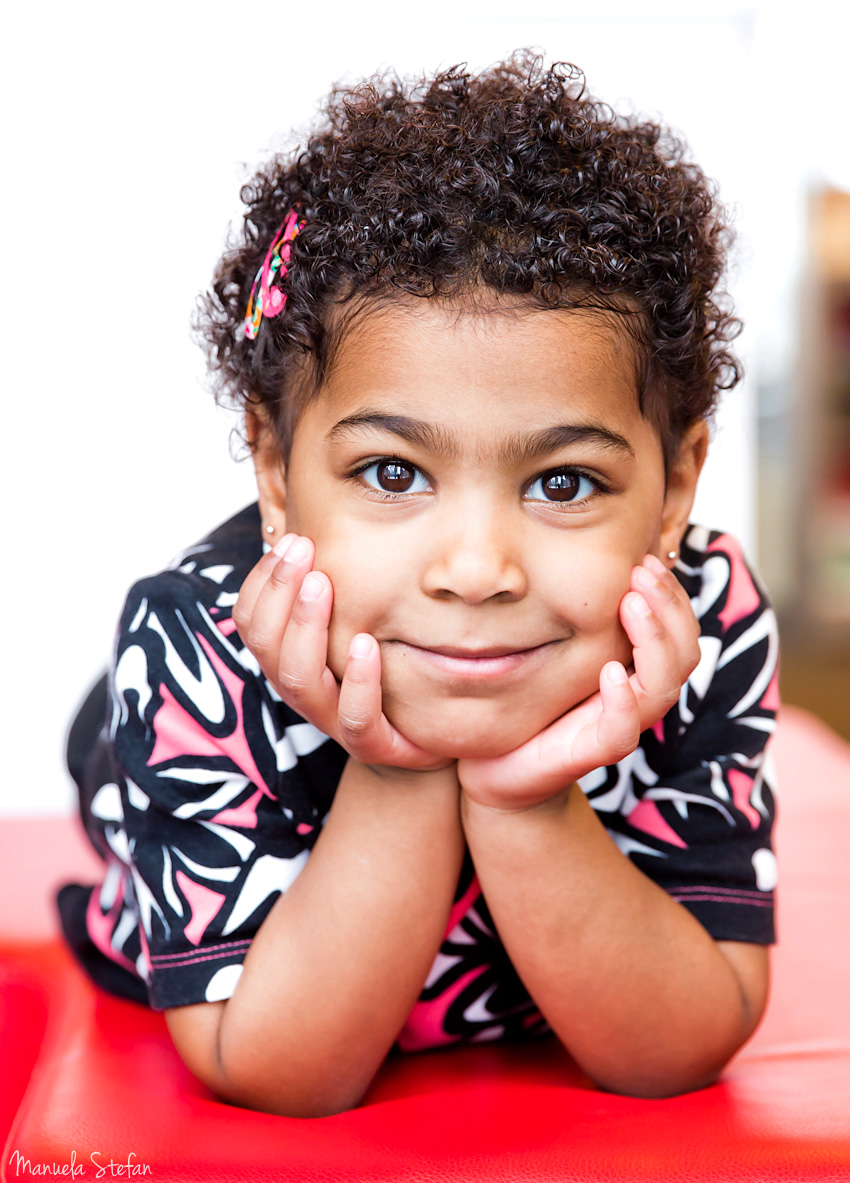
x,y
515,449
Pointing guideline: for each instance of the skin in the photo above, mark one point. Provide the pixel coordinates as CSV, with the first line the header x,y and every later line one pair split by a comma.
x,y
595,639
475,555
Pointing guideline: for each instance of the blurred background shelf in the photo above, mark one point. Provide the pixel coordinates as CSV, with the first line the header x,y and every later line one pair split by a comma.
x,y
805,475
817,680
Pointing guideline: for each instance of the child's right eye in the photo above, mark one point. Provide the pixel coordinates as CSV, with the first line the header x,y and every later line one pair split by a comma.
x,y
394,476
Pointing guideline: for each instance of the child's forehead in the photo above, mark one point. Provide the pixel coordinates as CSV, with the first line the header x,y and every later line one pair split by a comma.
x,y
451,356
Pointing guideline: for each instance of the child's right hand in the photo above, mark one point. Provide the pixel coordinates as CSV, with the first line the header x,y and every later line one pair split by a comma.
x,y
282,614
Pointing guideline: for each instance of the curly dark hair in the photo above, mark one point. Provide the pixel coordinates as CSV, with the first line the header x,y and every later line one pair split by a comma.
x,y
513,181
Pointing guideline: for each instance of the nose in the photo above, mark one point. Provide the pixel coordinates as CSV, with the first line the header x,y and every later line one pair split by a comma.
x,y
474,557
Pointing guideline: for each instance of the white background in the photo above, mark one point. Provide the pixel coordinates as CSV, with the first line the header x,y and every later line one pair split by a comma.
x,y
130,131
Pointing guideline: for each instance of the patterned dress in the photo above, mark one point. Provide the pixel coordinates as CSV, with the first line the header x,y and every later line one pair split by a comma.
x,y
205,794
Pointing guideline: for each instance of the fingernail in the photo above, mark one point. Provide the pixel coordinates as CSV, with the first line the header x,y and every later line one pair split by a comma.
x,y
297,551
282,545
616,675
645,579
311,588
655,564
638,605
361,646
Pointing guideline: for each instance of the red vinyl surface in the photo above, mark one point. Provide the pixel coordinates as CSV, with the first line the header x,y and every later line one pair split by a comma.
x,y
105,1083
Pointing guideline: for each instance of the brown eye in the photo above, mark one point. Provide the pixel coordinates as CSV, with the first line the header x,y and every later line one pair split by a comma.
x,y
394,477
565,484
561,486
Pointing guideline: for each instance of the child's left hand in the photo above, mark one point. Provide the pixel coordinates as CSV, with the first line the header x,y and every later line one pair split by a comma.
x,y
660,624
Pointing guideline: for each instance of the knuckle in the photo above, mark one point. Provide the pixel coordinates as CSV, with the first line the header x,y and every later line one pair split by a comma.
x,y
355,725
292,683
670,694
666,593
257,639
241,616
623,746
281,574
693,657
653,636
656,629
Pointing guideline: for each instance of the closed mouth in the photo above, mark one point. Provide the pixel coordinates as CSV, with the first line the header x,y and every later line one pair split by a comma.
x,y
483,665
475,654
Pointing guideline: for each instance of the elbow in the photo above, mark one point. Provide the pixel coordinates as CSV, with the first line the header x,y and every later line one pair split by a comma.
x,y
660,1081
659,1088
294,1094
684,1063
282,1104
287,1079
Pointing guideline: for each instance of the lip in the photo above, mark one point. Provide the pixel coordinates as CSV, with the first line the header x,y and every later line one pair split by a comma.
x,y
473,653
491,663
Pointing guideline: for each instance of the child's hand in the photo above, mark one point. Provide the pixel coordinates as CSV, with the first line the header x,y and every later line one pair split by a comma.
x,y
282,614
664,633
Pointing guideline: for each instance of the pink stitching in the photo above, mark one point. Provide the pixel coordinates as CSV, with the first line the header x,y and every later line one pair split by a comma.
x,y
207,949
737,891
723,899
197,960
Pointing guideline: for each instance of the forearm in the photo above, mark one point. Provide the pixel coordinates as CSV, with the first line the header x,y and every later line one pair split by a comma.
x,y
635,988
342,957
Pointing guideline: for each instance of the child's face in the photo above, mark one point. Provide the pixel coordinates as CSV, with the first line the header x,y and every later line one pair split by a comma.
x,y
474,484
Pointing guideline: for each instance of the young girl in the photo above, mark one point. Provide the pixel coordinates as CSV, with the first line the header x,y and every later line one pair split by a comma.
x,y
458,733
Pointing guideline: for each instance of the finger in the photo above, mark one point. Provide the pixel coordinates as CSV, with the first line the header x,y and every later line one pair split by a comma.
x,y
256,580
657,680
670,603
605,728
264,630
363,729
540,767
303,676
618,728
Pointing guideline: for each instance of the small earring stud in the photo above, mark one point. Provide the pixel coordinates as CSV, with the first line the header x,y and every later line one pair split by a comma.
x,y
671,555
270,529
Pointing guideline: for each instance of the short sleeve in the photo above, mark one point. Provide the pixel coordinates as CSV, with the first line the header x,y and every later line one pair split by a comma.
x,y
693,806
220,791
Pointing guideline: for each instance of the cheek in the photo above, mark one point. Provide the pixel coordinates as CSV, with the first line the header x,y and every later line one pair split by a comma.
x,y
586,596
362,584
588,608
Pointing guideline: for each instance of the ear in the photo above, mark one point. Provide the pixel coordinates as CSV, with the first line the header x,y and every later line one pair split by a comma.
x,y
270,473
681,488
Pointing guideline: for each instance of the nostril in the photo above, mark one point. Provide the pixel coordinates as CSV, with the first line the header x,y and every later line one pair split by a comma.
x,y
475,560
478,588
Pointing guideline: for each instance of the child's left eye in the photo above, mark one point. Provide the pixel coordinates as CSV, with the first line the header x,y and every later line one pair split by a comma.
x,y
394,476
563,484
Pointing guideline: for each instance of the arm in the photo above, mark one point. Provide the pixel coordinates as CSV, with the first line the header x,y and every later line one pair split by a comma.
x,y
633,985
340,960
342,957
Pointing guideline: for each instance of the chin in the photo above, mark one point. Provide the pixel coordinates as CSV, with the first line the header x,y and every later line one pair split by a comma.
x,y
466,735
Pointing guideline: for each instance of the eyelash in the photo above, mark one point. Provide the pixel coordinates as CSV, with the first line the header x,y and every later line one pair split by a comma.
x,y
600,487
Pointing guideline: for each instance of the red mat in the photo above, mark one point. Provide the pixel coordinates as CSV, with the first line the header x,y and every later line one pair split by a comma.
x,y
105,1085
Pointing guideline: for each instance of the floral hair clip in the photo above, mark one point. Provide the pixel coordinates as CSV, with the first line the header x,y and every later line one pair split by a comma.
x,y
270,300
